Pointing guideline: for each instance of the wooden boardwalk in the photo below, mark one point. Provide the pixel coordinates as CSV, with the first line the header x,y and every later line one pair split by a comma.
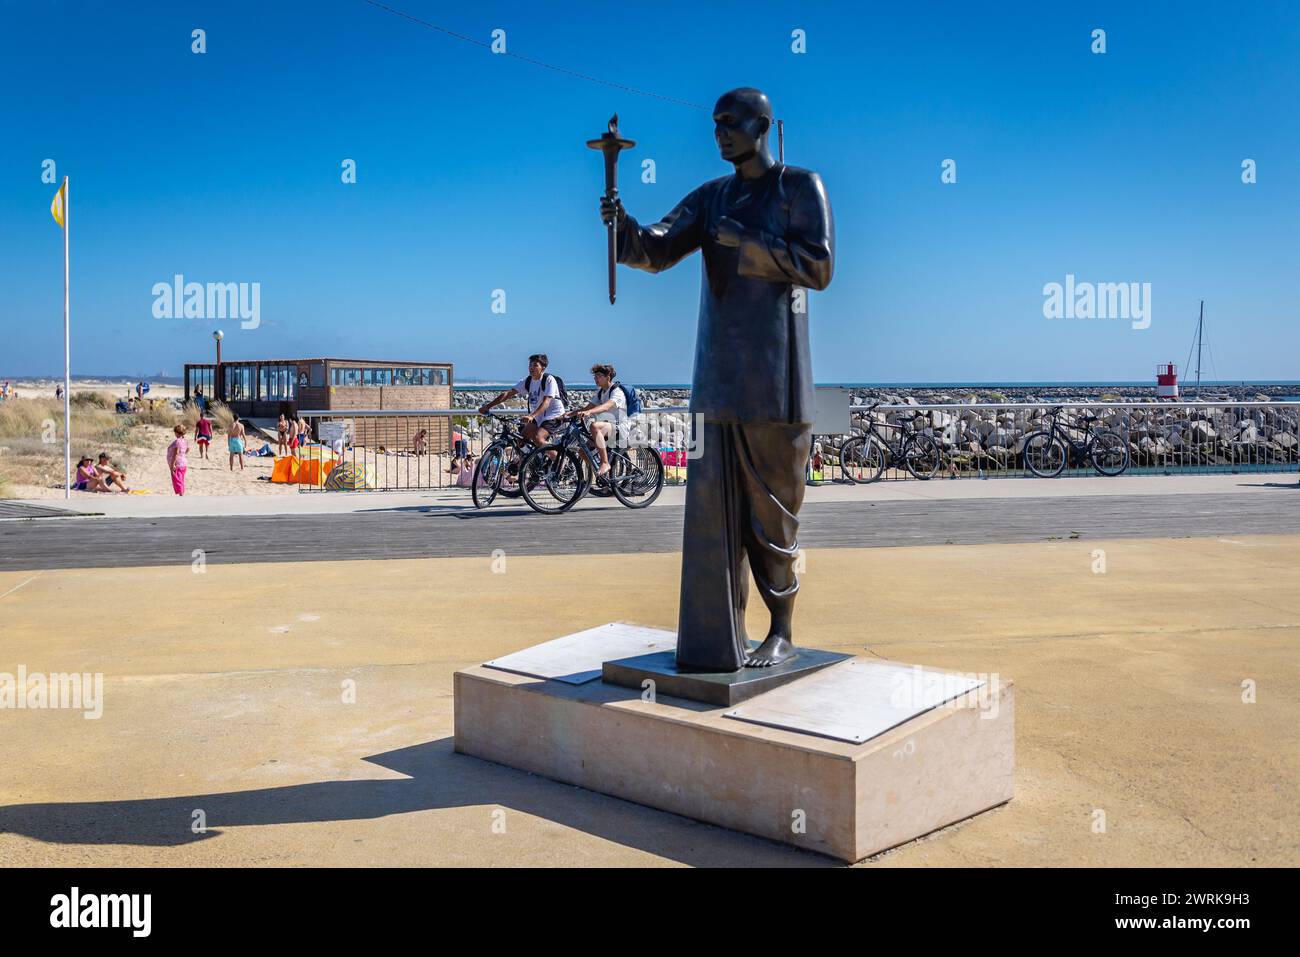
x,y
20,510
423,532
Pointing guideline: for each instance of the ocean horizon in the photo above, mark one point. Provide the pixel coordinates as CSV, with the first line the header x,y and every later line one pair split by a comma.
x,y
1096,384
479,384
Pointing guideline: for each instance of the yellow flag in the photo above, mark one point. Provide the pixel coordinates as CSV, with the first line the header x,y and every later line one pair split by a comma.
x,y
56,207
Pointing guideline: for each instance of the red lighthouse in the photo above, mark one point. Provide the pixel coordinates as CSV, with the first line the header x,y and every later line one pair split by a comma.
x,y
1167,381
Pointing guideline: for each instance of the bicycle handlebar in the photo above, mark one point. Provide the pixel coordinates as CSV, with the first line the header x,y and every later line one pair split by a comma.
x,y
506,425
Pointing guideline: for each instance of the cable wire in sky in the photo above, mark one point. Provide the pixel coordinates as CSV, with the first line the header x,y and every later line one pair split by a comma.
x,y
535,62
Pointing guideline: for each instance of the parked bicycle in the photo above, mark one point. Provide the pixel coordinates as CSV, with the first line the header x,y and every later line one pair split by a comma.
x,y
865,457
557,475
497,470
1046,450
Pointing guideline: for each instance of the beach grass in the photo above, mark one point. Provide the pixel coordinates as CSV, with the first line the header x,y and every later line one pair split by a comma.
x,y
218,412
31,436
92,400
221,414
161,413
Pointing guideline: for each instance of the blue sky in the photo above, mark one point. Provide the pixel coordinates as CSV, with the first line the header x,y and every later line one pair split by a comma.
x,y
472,176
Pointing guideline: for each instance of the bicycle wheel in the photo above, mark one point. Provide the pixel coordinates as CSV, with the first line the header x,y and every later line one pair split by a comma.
x,y
862,460
486,480
552,485
511,462
636,475
922,457
1109,453
1044,454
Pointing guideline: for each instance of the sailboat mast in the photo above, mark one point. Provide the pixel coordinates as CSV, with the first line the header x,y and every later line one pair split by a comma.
x,y
1200,326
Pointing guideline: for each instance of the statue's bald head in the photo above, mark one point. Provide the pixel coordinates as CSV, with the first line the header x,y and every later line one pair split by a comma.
x,y
741,120
745,99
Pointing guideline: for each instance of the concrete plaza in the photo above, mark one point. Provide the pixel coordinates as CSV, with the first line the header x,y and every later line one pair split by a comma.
x,y
318,730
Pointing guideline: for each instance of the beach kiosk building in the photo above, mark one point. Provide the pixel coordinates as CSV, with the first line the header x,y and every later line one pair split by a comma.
x,y
263,389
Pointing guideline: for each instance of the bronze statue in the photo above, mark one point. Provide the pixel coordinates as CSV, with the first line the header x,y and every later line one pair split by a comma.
x,y
765,230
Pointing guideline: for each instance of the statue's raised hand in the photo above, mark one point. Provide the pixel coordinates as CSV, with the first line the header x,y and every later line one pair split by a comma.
x,y
611,208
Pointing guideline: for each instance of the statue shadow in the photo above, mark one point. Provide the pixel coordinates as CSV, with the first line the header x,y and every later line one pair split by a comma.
x,y
434,777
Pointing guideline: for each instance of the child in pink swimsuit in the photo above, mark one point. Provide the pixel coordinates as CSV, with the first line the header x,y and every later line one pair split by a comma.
x,y
176,459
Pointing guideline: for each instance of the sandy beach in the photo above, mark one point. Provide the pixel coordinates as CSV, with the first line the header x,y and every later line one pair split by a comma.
x,y
147,472
31,453
117,388
144,456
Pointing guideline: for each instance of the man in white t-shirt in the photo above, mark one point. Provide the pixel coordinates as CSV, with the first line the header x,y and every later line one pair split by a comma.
x,y
545,406
608,411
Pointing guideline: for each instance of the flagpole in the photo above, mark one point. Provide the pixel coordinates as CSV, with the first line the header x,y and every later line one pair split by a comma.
x,y
67,354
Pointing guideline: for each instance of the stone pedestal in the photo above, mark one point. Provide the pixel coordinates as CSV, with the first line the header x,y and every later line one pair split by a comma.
x,y
856,758
723,689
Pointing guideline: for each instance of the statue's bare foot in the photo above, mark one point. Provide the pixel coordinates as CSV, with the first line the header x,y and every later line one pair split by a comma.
x,y
773,651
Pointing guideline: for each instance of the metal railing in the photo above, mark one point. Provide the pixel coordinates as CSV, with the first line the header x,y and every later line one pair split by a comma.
x,y
987,440
385,450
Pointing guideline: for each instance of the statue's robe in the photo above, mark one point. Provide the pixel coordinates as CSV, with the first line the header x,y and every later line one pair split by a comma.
x,y
753,388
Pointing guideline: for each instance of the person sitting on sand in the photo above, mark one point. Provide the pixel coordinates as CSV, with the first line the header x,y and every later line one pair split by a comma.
x,y
113,477
459,452
89,480
465,477
235,443
203,433
420,444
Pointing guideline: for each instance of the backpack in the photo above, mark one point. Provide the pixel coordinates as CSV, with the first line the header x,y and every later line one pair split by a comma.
x,y
633,400
564,393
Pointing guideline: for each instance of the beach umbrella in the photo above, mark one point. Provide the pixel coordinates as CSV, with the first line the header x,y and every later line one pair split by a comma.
x,y
350,477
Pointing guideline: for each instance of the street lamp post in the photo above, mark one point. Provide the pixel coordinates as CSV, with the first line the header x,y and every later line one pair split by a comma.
x,y
217,391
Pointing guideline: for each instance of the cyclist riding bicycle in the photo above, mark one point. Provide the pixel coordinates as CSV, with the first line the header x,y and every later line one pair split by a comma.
x,y
607,412
545,393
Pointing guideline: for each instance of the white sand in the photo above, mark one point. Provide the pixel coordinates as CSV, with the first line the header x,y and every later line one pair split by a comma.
x,y
117,388
146,468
